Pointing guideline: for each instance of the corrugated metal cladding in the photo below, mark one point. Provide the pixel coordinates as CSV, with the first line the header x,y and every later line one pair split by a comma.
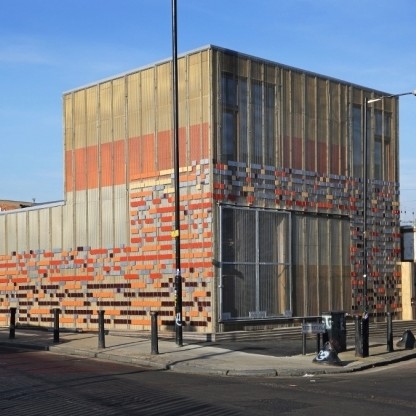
x,y
292,140
292,118
110,246
270,193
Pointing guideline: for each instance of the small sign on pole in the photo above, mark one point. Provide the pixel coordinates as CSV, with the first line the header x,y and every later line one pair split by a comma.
x,y
313,328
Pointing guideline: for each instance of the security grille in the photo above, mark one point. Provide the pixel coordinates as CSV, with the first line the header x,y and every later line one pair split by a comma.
x,y
255,263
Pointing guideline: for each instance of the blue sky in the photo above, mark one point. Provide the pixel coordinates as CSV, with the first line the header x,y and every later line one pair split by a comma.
x,y
48,47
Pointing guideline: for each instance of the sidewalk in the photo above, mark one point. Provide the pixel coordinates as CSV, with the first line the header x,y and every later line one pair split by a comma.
x,y
197,358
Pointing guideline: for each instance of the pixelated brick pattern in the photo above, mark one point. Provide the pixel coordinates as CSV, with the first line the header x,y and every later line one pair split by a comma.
x,y
309,192
126,282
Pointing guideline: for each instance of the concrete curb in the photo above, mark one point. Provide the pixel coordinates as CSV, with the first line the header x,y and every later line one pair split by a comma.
x,y
314,369
293,366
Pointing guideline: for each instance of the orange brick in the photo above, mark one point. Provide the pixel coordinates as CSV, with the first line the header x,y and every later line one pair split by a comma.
x,y
103,295
20,279
73,303
146,230
199,294
112,312
40,311
144,303
140,322
131,276
64,320
138,285
140,194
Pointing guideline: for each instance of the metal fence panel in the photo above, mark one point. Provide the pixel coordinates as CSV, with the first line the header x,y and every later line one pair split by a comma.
x,y
255,278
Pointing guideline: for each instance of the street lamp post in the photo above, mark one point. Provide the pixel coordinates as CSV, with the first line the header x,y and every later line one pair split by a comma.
x,y
363,348
176,232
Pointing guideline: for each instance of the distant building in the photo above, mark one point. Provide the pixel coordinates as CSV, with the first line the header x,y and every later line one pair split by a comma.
x,y
408,289
7,205
271,201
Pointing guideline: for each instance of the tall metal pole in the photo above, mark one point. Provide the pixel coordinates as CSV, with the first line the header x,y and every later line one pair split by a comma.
x,y
365,198
364,327
176,232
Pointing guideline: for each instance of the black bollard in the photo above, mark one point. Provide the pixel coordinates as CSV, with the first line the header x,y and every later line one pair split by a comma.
x,y
318,338
101,334
155,346
12,327
365,327
56,325
318,343
362,329
304,340
389,333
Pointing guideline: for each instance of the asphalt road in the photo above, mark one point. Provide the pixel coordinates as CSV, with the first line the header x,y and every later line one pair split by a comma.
x,y
43,383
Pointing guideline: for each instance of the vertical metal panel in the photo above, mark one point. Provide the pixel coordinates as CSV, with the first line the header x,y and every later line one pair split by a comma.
x,y
32,225
118,107
297,94
299,265
57,227
68,214
121,219
194,88
22,231
80,118
163,110
107,210
44,229
94,218
106,161
311,262
182,90
81,225
68,121
322,116
287,119
344,131
134,107
321,264
334,128
3,235
206,92
325,302
163,104
91,115
147,99
133,125
310,123
148,122
105,115
11,232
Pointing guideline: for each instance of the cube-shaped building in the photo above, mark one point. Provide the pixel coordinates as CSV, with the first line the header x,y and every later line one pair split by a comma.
x,y
271,201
